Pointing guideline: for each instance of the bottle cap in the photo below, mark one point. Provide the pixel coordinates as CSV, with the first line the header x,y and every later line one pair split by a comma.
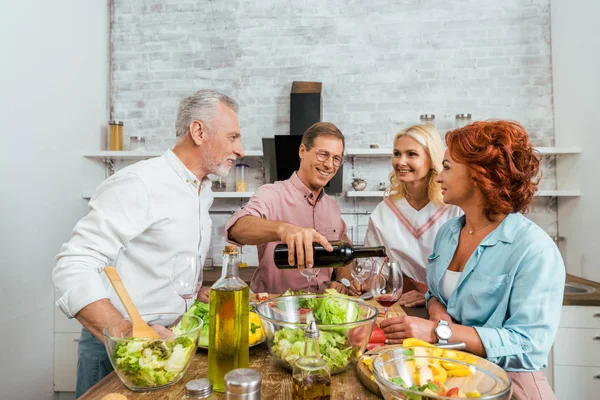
x,y
230,249
242,381
199,387
311,331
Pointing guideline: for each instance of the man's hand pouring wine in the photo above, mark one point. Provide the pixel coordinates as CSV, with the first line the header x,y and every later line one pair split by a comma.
x,y
300,244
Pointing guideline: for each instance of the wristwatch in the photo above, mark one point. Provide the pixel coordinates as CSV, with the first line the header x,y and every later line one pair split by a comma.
x,y
443,332
344,282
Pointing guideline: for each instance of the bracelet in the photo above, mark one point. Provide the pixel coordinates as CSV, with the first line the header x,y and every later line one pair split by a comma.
x,y
344,282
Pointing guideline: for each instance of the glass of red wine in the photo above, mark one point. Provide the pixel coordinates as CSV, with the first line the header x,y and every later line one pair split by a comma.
x,y
386,285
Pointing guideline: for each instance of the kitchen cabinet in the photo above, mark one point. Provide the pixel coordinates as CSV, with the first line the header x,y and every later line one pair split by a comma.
x,y
66,341
576,354
65,361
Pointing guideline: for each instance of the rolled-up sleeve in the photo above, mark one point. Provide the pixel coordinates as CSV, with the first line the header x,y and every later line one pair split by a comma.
x,y
119,211
534,312
260,205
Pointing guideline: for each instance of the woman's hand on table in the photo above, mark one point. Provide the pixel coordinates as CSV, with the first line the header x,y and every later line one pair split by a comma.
x,y
413,298
397,329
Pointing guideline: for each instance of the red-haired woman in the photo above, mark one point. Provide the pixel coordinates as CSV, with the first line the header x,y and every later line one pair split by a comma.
x,y
495,278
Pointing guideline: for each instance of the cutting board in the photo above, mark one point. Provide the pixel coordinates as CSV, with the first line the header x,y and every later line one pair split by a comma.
x,y
364,375
363,372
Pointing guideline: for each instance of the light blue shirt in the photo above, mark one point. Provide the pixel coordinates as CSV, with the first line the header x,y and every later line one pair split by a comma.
x,y
510,291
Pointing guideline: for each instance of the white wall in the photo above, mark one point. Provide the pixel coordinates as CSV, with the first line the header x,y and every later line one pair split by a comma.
x,y
576,69
53,102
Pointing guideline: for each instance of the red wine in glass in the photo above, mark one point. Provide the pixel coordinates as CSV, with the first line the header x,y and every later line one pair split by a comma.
x,y
387,300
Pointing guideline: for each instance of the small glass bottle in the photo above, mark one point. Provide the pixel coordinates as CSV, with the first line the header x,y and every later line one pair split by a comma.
x,y
199,389
115,137
427,119
228,322
311,375
461,120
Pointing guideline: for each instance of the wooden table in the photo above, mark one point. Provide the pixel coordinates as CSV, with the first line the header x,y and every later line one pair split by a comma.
x,y
276,380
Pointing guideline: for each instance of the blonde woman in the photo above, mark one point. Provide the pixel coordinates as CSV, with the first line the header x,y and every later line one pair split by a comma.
x,y
411,214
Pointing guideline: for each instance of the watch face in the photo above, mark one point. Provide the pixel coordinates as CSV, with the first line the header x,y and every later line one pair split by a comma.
x,y
443,332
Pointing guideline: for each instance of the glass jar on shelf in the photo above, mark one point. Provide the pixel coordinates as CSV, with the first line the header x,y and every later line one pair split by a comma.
x,y
115,135
461,120
241,178
137,143
427,119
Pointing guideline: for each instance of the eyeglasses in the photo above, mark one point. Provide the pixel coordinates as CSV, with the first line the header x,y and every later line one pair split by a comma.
x,y
323,155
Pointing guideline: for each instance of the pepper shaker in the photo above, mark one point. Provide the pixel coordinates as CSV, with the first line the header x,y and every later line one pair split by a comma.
x,y
199,389
242,384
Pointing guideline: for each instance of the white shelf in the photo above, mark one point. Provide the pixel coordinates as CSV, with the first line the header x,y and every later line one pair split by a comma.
x,y
541,193
559,193
233,195
218,195
143,155
365,193
387,152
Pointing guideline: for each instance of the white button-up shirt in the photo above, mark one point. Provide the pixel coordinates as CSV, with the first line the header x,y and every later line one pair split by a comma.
x,y
153,210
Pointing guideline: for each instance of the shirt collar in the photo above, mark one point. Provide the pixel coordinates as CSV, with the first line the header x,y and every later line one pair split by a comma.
x,y
308,194
183,172
505,232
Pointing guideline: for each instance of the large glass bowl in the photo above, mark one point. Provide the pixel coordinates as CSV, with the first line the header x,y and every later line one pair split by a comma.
x,y
341,343
417,365
150,364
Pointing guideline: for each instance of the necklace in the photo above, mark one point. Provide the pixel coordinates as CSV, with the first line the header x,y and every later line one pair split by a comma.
x,y
475,230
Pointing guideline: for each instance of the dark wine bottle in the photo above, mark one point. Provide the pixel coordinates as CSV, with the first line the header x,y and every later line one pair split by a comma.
x,y
343,253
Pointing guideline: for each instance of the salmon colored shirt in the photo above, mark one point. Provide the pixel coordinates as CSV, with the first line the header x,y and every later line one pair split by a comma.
x,y
292,202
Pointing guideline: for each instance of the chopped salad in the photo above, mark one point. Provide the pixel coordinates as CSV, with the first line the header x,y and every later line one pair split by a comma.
x,y
288,343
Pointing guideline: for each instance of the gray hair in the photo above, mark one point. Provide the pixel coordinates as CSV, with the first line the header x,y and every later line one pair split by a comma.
x,y
201,106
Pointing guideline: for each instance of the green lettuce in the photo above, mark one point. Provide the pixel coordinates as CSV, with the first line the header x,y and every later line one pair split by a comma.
x,y
201,311
288,343
152,363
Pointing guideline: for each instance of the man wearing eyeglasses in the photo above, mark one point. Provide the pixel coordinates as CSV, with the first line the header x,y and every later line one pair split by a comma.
x,y
296,212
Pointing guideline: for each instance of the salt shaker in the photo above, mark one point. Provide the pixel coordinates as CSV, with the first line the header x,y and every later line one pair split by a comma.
x,y
199,389
242,383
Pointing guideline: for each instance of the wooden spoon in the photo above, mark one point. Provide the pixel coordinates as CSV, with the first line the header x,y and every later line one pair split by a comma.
x,y
140,327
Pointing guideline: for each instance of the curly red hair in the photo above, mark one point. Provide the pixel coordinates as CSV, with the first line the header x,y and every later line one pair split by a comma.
x,y
502,163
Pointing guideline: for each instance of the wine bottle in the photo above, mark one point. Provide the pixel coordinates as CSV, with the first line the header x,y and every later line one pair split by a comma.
x,y
343,253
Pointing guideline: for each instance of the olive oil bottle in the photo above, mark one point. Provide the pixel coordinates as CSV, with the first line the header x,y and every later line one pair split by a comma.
x,y
228,322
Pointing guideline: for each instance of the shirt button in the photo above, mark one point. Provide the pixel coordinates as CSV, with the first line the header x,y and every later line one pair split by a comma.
x,y
187,181
195,182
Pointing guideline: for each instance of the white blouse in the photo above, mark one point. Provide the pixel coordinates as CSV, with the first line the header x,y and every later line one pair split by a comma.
x,y
408,234
449,282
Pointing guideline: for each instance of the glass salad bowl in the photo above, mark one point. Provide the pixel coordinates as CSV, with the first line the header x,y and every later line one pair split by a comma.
x,y
423,373
150,364
345,325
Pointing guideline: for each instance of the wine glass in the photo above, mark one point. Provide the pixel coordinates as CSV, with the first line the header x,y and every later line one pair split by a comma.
x,y
386,285
361,270
309,274
186,276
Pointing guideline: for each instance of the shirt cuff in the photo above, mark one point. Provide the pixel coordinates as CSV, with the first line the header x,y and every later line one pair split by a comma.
x,y
80,296
500,342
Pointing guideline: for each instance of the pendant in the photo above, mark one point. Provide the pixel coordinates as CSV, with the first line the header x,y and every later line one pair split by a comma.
x,y
470,232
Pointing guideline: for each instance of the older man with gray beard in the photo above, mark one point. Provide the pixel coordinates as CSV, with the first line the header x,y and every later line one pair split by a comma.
x,y
155,210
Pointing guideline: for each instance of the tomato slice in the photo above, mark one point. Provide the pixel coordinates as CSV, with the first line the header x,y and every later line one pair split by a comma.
x,y
377,336
372,346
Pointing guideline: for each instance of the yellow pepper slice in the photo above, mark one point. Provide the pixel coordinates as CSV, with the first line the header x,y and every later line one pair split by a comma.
x,y
410,342
474,394
256,331
459,372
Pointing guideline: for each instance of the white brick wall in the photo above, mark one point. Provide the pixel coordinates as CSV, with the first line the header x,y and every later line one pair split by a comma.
x,y
381,66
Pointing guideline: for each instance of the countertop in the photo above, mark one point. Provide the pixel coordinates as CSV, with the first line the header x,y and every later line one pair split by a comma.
x,y
586,299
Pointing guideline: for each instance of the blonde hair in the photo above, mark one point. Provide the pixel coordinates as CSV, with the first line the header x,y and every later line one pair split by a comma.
x,y
428,137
